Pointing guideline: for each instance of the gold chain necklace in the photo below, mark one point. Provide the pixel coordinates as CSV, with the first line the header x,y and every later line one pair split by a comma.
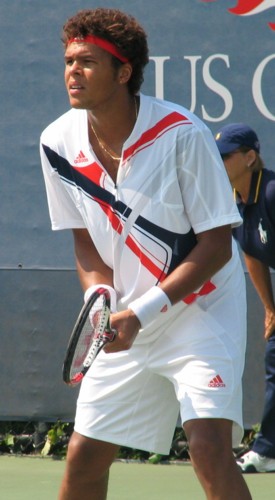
x,y
100,143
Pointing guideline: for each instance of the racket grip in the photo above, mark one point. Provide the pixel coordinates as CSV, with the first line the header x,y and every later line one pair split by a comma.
x,y
110,335
113,296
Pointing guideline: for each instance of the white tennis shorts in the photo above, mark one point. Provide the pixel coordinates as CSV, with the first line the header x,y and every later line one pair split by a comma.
x,y
194,367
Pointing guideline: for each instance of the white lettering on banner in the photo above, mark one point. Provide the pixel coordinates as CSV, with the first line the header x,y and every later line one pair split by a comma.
x,y
159,75
218,88
193,63
214,85
208,79
257,88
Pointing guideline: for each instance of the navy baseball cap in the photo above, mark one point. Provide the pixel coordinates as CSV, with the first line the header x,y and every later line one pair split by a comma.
x,y
231,137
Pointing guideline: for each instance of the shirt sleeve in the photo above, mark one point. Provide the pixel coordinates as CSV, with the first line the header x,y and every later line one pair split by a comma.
x,y
62,209
206,190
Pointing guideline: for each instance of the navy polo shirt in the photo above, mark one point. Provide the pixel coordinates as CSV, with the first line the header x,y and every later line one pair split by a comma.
x,y
256,235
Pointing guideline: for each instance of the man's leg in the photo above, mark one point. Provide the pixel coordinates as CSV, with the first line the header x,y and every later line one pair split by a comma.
x,y
87,469
262,456
210,447
265,442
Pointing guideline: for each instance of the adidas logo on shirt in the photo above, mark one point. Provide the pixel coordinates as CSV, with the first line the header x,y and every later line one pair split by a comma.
x,y
216,382
81,158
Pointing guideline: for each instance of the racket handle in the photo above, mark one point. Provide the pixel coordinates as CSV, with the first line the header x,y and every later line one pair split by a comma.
x,y
110,334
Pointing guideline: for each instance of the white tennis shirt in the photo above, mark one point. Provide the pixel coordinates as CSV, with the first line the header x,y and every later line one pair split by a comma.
x,y
171,184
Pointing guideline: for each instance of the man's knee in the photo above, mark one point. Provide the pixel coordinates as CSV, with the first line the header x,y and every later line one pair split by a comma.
x,y
86,454
209,440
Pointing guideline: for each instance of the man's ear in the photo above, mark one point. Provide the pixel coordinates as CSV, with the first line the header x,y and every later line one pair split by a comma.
x,y
125,73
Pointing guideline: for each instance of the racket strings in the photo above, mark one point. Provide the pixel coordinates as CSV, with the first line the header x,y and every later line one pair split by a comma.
x,y
91,335
91,332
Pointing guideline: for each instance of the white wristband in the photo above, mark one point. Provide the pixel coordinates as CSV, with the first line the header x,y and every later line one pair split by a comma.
x,y
93,288
150,305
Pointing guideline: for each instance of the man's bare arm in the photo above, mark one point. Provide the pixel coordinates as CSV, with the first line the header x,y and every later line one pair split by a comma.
x,y
90,266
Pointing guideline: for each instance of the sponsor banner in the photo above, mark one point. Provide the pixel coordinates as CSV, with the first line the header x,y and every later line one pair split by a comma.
x,y
215,57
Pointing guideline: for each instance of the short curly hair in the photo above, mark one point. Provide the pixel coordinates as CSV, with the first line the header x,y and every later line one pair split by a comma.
x,y
119,28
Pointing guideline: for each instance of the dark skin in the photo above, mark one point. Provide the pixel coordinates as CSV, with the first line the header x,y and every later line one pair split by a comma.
x,y
208,438
211,253
87,69
94,85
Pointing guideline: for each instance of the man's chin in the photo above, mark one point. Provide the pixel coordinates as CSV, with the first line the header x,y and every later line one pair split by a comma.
x,y
77,105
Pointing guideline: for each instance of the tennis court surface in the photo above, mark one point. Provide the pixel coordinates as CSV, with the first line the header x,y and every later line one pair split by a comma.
x,y
33,478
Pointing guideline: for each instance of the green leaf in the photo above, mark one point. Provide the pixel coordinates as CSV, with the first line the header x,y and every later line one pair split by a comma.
x,y
47,448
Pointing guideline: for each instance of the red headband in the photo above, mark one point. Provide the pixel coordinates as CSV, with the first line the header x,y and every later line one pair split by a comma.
x,y
104,44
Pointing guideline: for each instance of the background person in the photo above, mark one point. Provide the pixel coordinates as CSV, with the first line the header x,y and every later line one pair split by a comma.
x,y
129,175
254,188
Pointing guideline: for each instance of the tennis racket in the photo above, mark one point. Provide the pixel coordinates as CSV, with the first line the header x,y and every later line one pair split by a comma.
x,y
91,332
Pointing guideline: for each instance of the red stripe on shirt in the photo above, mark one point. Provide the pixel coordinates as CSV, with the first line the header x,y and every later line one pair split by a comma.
x,y
94,172
151,135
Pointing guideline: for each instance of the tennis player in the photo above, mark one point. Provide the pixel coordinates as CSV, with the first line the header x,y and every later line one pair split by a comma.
x,y
142,186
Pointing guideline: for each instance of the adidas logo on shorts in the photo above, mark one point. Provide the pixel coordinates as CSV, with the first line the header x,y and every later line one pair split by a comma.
x,y
216,382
